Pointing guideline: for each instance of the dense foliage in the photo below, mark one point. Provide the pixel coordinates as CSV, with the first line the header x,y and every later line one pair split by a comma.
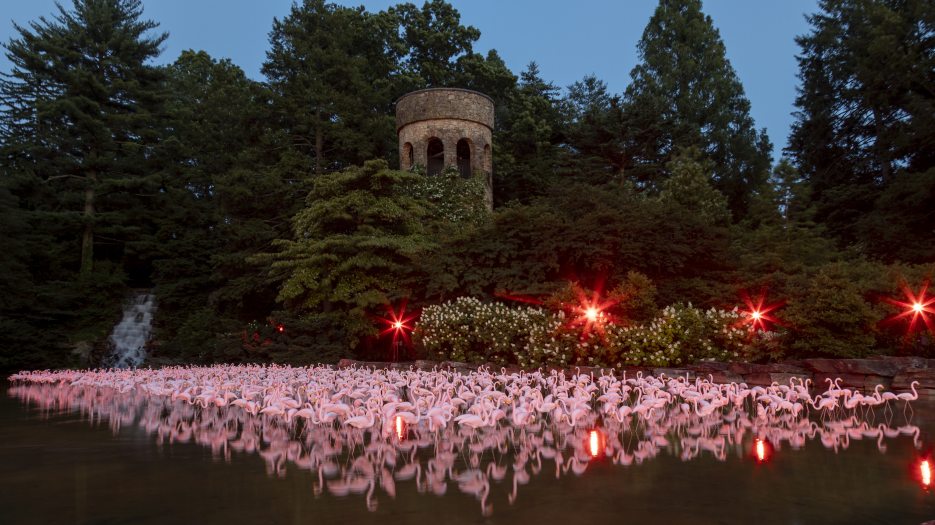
x,y
269,219
864,138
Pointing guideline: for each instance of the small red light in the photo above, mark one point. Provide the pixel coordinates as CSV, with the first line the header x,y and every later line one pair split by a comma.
x,y
918,307
280,328
756,315
925,469
398,325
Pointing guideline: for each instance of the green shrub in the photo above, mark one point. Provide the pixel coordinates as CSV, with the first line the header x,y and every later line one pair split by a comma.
x,y
635,297
832,316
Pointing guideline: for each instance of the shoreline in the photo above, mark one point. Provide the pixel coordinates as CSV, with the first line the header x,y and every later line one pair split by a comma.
x,y
894,373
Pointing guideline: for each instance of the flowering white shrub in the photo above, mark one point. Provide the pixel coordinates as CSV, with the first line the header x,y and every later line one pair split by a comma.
x,y
680,335
468,329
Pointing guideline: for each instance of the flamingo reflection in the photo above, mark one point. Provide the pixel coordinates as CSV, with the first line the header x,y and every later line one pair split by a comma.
x,y
365,433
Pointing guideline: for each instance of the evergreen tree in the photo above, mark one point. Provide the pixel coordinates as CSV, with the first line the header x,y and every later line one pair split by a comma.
x,y
80,122
864,135
685,94
80,112
527,132
214,113
353,248
594,134
435,42
487,74
331,71
779,241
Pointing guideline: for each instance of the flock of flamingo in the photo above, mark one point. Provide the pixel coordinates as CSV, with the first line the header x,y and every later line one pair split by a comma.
x,y
357,429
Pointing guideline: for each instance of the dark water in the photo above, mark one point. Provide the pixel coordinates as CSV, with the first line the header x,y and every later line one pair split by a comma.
x,y
86,456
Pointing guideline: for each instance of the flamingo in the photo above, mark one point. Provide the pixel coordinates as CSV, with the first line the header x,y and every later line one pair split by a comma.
x,y
362,421
907,396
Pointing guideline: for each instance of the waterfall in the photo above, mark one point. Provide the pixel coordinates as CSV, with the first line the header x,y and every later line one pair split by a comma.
x,y
132,332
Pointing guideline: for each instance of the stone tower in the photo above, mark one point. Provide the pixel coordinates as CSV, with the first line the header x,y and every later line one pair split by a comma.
x,y
442,127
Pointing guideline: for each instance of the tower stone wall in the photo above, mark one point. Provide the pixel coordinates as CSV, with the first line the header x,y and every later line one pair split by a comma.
x,y
447,127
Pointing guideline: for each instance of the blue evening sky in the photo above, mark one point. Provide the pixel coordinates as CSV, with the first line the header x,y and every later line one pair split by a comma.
x,y
568,39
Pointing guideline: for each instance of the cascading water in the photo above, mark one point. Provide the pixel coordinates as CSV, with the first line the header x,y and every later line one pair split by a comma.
x,y
132,332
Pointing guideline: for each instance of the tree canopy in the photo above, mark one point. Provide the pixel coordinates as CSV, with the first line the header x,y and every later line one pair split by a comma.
x,y
251,205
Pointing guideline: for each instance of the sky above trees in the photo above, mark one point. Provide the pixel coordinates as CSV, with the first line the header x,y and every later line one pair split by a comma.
x,y
592,37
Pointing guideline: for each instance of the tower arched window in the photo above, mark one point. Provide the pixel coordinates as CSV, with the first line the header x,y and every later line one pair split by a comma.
x,y
407,156
435,156
464,158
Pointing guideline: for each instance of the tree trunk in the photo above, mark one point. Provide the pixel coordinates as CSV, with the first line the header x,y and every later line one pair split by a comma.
x,y
87,237
882,153
319,142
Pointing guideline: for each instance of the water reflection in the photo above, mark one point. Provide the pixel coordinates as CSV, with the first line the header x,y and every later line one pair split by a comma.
x,y
925,473
761,450
369,462
595,443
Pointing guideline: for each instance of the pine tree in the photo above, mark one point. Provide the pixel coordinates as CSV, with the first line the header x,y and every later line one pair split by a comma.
x,y
528,128
685,94
865,127
80,113
595,125
215,115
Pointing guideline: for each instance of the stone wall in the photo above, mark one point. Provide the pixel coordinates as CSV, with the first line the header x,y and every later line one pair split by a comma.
x,y
449,131
894,373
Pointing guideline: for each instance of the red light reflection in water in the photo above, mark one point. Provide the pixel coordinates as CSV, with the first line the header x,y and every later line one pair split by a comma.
x,y
925,473
596,443
399,426
762,450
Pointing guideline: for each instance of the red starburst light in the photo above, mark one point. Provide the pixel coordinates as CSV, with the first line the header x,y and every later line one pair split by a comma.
x,y
592,314
918,307
398,324
757,314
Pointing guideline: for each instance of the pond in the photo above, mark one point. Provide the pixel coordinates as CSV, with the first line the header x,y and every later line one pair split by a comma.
x,y
86,454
